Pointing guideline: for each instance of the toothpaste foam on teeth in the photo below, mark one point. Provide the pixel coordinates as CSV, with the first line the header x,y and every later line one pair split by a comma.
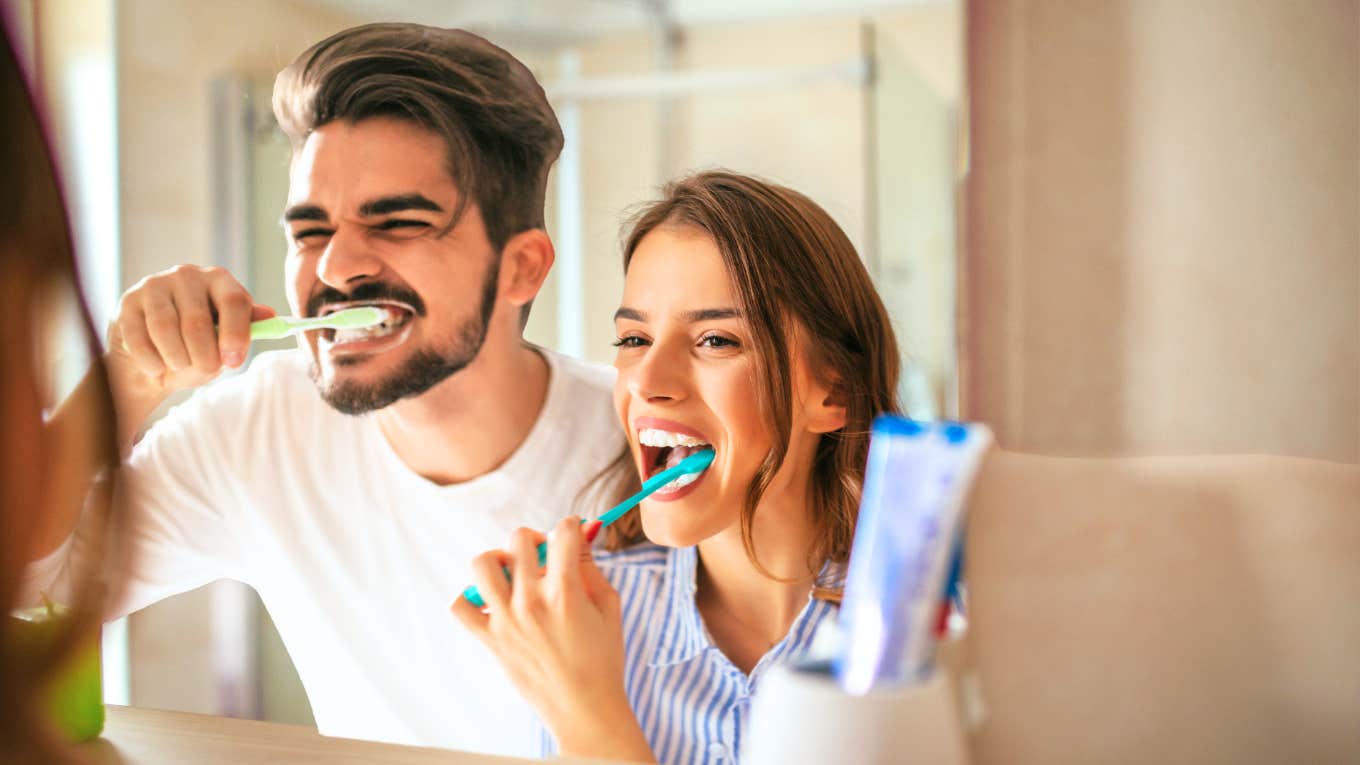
x,y
683,481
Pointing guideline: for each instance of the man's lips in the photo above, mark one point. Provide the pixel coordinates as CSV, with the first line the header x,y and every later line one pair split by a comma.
x,y
393,332
396,306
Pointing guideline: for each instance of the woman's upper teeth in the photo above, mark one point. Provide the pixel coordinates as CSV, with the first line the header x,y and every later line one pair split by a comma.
x,y
656,437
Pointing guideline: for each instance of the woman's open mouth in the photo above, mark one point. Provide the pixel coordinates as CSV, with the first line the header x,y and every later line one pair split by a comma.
x,y
381,337
665,447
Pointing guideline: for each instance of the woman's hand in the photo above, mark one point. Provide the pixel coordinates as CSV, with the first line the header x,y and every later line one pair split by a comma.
x,y
558,632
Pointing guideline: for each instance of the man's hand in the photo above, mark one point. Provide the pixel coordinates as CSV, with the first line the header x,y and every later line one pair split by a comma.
x,y
176,329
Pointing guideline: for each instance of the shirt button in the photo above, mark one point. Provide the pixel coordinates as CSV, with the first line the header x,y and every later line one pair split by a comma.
x,y
718,750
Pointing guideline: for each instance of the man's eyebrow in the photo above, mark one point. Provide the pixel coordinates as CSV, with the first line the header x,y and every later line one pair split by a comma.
x,y
398,203
304,212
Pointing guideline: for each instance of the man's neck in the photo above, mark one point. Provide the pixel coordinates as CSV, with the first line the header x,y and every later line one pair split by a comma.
x,y
469,424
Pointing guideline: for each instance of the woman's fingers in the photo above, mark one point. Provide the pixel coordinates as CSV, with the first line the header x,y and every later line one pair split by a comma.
x,y
524,569
470,616
564,554
597,587
488,573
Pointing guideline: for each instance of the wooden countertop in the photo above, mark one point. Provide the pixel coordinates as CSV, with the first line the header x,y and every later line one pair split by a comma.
x,y
135,736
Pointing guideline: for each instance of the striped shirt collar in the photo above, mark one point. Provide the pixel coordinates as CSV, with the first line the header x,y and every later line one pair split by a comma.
x,y
689,638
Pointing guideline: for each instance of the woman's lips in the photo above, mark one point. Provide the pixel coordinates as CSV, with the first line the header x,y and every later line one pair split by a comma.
x,y
659,454
657,423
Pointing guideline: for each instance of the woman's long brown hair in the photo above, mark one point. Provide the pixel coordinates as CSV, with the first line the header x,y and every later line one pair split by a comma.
x,y
798,280
36,458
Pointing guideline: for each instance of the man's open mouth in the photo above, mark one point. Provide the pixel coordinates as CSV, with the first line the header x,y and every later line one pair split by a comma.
x,y
399,316
662,449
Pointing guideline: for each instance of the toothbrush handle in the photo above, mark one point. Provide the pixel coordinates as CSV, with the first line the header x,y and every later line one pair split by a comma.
x,y
474,597
271,329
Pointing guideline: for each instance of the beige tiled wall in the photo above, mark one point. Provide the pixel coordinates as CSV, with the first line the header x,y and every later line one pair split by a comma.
x,y
1163,227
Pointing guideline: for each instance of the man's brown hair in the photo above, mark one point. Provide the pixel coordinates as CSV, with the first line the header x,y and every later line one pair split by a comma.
x,y
493,116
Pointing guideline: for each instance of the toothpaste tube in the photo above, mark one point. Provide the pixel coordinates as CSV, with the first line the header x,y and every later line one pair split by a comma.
x,y
910,518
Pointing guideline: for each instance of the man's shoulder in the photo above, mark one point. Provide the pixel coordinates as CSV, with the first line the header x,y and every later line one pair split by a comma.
x,y
587,375
275,383
582,397
271,375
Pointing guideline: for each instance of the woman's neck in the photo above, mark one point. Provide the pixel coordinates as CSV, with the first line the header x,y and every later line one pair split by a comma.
x,y
746,611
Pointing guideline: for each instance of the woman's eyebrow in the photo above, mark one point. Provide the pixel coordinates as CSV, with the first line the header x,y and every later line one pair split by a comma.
x,y
691,317
710,314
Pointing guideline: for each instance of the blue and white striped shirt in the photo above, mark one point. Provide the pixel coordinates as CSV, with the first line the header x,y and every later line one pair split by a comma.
x,y
691,701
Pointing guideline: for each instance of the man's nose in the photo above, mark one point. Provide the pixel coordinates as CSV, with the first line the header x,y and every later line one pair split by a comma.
x,y
346,260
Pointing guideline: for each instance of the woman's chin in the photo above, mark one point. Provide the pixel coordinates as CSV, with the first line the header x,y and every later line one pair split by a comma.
x,y
668,525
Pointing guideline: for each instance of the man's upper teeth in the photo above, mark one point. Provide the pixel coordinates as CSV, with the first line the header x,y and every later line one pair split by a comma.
x,y
656,437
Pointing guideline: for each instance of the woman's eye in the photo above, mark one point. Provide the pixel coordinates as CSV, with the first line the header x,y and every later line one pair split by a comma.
x,y
718,341
631,341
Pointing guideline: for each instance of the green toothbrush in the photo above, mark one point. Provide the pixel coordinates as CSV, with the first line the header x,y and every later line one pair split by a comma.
x,y
280,327
697,462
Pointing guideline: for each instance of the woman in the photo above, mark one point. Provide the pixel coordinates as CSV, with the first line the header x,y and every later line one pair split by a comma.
x,y
749,326
41,459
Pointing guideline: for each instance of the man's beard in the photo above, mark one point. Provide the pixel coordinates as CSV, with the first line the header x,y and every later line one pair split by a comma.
x,y
424,370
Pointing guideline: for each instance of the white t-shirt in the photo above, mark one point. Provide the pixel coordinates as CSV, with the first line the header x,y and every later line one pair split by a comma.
x,y
356,557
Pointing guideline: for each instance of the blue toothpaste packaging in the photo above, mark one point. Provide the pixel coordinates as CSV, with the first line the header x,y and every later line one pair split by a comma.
x,y
910,524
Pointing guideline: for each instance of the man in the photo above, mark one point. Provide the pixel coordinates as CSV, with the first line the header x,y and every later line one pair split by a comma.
x,y
417,183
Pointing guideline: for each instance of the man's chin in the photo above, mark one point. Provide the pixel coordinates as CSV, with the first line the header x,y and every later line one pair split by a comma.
x,y
363,384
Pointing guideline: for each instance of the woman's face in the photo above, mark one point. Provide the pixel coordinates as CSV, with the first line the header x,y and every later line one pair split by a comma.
x,y
687,381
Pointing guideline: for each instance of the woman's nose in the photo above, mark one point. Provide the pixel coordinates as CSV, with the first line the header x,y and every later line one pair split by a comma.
x,y
660,375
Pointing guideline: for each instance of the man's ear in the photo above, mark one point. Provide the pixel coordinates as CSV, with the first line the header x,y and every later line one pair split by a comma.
x,y
525,261
825,407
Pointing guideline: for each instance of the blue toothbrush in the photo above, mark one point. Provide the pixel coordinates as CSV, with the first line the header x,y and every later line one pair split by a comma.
x,y
697,462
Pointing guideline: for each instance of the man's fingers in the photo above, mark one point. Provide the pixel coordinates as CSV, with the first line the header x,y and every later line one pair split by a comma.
x,y
234,311
130,331
163,325
488,573
196,327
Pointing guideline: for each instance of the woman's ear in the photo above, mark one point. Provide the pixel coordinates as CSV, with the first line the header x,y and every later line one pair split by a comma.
x,y
525,261
824,407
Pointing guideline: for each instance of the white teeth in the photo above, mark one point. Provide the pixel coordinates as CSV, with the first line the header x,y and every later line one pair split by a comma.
x,y
682,481
378,330
655,437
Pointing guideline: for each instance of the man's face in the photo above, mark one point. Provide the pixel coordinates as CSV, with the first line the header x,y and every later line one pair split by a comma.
x,y
367,221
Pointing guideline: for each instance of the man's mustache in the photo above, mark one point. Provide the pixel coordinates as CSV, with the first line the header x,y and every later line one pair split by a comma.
x,y
362,293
